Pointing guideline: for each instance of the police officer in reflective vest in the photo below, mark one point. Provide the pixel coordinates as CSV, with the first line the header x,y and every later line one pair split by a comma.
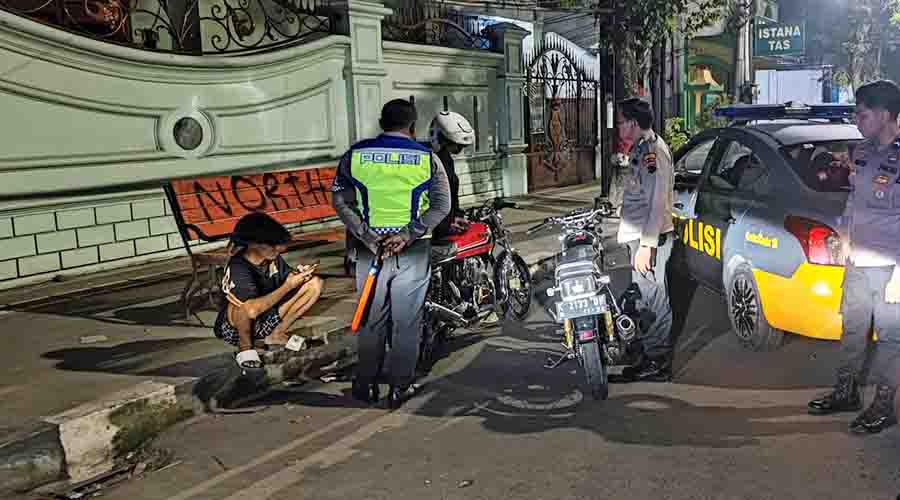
x,y
871,288
390,191
647,229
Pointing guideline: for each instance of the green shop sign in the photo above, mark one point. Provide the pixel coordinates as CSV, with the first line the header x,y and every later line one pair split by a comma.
x,y
782,39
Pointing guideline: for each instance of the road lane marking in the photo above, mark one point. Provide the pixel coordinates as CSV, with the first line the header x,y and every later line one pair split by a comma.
x,y
326,457
212,482
10,389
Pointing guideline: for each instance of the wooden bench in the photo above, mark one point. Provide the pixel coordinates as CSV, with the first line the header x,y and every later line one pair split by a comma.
x,y
208,208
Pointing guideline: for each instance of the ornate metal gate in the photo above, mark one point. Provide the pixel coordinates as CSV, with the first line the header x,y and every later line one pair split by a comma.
x,y
561,117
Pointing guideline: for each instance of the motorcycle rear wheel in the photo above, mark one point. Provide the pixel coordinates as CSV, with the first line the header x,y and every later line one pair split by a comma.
x,y
594,370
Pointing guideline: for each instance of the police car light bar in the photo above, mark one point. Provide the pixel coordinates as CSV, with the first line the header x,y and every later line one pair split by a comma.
x,y
751,112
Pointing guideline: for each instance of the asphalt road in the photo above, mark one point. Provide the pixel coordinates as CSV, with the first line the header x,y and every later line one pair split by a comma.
x,y
492,423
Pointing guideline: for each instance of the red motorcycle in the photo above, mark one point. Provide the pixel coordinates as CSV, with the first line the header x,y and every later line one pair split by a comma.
x,y
469,285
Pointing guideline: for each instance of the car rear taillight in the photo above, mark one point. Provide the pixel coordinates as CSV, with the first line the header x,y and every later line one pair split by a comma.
x,y
821,244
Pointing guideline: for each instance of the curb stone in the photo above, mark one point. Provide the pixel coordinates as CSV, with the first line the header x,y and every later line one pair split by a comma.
x,y
86,442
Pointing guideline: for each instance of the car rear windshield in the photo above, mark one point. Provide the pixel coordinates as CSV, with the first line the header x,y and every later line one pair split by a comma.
x,y
823,166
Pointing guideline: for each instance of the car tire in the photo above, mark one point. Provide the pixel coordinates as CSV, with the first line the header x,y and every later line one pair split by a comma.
x,y
748,322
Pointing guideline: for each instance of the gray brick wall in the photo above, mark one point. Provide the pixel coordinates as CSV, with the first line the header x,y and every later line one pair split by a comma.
x,y
147,209
80,257
96,235
8,270
13,248
39,264
32,224
58,239
113,213
71,219
38,242
132,230
115,251
6,230
163,225
151,245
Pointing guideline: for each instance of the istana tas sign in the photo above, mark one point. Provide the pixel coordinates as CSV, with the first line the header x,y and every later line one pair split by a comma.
x,y
780,39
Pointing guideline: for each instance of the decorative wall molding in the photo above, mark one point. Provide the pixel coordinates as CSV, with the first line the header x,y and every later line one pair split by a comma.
x,y
405,53
45,42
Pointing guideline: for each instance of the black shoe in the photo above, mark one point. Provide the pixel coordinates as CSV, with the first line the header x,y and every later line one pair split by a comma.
x,y
399,395
650,370
845,396
366,392
879,415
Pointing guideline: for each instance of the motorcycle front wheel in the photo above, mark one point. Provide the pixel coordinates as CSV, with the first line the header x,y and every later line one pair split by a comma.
x,y
432,341
594,370
510,270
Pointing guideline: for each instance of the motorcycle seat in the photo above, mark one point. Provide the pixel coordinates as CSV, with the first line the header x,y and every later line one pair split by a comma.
x,y
579,253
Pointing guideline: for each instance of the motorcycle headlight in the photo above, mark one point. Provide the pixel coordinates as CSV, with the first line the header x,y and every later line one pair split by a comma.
x,y
579,285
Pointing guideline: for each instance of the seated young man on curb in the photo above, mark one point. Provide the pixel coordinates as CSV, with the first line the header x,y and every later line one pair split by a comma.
x,y
265,295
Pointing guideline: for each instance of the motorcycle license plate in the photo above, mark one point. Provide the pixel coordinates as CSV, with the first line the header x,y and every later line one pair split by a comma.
x,y
587,306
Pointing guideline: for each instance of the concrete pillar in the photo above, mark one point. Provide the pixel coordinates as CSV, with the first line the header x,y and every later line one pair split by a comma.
x,y
510,107
365,73
537,28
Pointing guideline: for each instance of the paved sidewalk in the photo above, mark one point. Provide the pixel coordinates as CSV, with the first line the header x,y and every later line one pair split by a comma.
x,y
74,341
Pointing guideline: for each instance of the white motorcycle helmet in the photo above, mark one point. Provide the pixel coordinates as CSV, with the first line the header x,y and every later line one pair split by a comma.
x,y
454,127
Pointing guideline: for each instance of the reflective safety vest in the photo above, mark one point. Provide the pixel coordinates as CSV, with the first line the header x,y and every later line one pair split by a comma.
x,y
392,176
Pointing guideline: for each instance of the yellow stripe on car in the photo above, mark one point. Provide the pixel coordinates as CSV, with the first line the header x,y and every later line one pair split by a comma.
x,y
807,303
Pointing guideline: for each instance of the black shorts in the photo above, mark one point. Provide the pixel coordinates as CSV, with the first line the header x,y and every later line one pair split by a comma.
x,y
263,326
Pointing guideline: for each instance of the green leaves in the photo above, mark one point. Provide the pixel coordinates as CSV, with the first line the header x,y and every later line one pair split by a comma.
x,y
651,21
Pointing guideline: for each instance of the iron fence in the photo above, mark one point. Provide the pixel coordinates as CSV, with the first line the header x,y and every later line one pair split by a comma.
x,y
432,23
185,26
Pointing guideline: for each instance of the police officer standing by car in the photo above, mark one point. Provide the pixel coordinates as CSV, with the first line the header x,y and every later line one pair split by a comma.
x,y
390,191
871,288
648,231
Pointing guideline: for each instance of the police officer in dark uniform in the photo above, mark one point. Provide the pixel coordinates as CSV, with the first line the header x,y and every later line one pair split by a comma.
x,y
647,229
871,288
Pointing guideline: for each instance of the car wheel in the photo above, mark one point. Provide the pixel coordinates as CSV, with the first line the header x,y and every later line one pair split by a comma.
x,y
745,311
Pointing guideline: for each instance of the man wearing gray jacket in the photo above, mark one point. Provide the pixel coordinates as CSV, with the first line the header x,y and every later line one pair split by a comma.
x,y
647,229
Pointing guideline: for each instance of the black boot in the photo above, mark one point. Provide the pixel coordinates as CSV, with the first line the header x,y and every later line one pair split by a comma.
x,y
399,395
844,397
648,370
365,391
879,415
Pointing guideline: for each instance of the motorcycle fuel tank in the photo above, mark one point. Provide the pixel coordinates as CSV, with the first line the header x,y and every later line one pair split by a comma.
x,y
475,240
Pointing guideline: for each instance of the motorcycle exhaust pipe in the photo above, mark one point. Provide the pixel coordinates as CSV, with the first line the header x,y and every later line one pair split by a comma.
x,y
446,314
626,327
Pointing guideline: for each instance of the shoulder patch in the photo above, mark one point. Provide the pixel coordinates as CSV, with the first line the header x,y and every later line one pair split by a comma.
x,y
648,161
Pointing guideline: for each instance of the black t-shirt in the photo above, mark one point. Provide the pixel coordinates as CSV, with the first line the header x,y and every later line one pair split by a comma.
x,y
443,229
244,281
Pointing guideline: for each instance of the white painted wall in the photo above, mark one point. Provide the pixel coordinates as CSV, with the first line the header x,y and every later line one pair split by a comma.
x,y
781,86
98,118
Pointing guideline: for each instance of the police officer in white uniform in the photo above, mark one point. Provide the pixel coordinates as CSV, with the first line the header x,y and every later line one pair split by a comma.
x,y
871,288
647,229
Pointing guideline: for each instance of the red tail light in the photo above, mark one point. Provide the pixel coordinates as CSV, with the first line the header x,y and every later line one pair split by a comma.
x,y
821,244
